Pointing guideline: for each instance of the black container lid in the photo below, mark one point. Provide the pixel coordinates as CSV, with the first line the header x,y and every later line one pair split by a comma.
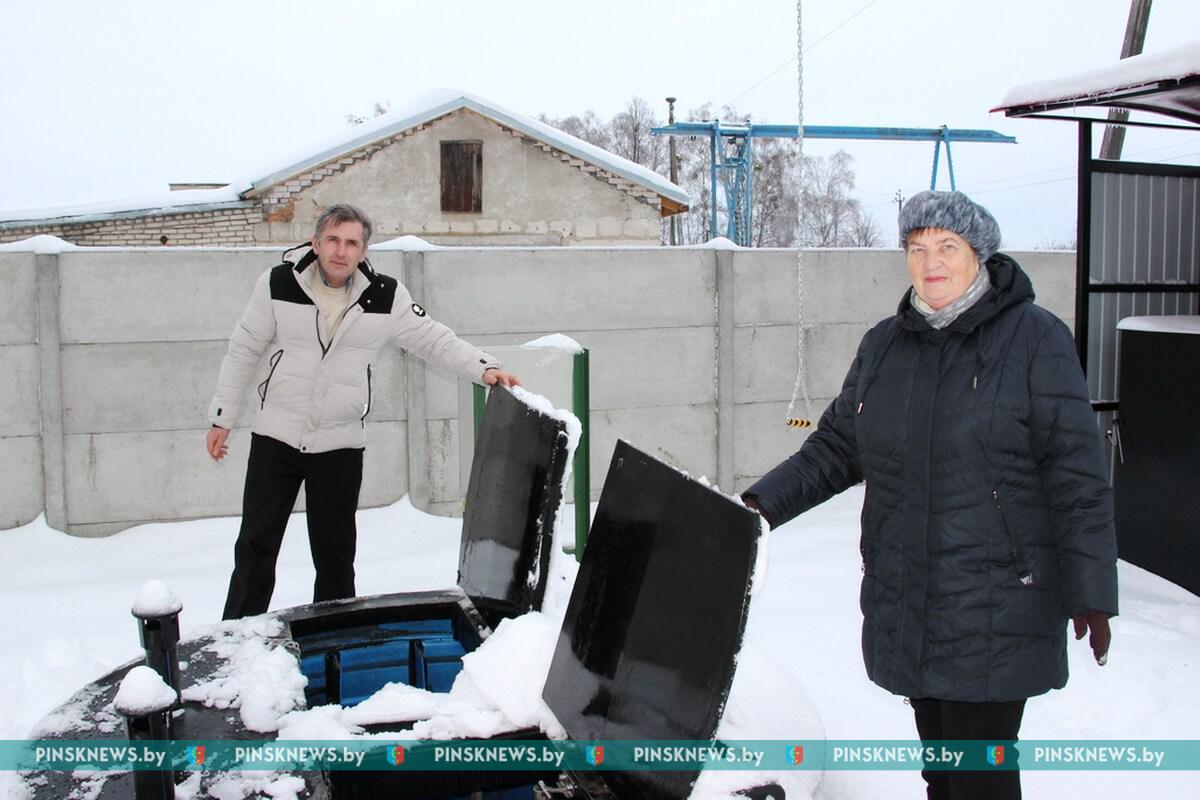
x,y
512,500
656,617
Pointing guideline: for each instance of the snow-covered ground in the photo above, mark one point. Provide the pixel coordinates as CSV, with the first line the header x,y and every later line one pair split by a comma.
x,y
66,621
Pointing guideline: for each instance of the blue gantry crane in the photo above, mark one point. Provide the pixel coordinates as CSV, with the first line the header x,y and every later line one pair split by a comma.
x,y
731,147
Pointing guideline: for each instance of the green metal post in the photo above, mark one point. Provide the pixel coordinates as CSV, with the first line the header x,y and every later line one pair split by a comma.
x,y
580,469
480,398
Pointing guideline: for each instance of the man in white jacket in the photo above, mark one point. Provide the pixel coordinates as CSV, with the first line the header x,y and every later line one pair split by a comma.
x,y
325,321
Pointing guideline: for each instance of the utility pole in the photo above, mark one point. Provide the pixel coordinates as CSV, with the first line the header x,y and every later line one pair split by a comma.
x,y
898,199
673,167
1135,37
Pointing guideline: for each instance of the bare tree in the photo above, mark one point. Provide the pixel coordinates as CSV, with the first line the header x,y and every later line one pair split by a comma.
x,y
631,137
814,209
588,127
864,230
826,207
774,194
693,153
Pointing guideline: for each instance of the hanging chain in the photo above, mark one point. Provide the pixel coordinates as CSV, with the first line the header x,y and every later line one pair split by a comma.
x,y
801,386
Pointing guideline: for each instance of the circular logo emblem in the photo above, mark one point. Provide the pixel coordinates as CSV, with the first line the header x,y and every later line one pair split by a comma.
x,y
420,312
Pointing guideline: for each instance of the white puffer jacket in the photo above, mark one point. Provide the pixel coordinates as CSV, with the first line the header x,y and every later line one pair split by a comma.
x,y
317,394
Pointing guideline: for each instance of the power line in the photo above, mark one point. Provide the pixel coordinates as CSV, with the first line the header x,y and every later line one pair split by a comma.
x,y
1064,169
1023,175
792,60
1070,177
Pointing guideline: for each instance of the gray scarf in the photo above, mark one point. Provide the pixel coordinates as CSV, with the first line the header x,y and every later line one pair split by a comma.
x,y
952,311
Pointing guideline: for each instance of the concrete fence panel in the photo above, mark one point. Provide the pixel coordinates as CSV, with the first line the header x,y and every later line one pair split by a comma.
x,y
21,490
111,356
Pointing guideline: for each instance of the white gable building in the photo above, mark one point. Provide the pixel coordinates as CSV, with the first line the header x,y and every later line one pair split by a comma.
x,y
449,167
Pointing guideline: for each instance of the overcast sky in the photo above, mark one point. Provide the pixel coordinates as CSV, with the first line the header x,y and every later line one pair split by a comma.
x,y
114,99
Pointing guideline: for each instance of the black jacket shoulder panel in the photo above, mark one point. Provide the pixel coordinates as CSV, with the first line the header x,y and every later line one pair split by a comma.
x,y
380,296
285,288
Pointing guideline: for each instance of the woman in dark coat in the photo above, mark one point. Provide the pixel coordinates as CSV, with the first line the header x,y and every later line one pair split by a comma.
x,y
987,522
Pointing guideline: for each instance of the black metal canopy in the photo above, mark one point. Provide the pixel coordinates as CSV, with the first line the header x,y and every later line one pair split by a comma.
x,y
1165,83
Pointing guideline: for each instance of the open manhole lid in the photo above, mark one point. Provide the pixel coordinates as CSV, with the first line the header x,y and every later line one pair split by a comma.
x,y
513,496
656,618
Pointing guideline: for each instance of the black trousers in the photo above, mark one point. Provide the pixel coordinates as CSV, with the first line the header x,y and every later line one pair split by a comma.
x,y
273,477
996,723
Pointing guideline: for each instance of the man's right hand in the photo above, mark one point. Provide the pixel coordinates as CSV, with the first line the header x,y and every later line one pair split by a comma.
x,y
215,442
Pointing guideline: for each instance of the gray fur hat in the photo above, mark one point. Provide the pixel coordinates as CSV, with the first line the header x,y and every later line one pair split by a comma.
x,y
952,211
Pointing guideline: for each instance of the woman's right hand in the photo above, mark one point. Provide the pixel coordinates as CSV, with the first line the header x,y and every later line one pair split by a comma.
x,y
1101,638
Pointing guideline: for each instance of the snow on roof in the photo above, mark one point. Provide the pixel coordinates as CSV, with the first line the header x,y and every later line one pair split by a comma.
x,y
438,103
143,205
422,109
1110,85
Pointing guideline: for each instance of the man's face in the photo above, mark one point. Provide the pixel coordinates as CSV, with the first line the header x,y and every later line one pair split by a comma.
x,y
941,265
339,248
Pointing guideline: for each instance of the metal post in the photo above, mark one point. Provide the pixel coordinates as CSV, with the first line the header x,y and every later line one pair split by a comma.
x,y
712,169
581,469
673,169
148,724
479,403
949,158
937,148
1113,140
744,222
1083,242
160,640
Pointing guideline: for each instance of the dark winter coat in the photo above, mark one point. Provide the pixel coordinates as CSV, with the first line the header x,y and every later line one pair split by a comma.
x,y
988,518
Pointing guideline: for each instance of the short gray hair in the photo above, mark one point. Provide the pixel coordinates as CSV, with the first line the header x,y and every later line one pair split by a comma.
x,y
344,212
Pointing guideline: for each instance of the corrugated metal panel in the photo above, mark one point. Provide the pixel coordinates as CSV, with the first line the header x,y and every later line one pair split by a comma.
x,y
1144,229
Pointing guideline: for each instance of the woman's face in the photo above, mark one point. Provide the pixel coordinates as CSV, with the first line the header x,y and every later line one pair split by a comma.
x,y
941,265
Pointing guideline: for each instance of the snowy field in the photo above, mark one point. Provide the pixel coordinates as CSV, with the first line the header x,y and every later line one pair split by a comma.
x,y
66,602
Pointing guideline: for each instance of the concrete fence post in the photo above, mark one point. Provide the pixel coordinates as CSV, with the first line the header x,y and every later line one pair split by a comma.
x,y
414,394
50,381
725,371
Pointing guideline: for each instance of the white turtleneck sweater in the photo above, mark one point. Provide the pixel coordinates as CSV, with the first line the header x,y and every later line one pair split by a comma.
x,y
332,304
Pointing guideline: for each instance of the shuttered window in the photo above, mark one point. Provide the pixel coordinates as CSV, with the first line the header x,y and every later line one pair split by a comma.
x,y
462,176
